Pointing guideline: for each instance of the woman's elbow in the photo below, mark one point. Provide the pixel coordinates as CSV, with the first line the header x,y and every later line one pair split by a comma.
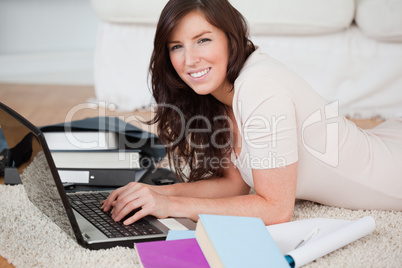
x,y
284,217
278,215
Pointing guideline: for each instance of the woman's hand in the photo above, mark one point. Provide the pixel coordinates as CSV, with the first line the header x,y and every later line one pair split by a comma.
x,y
147,198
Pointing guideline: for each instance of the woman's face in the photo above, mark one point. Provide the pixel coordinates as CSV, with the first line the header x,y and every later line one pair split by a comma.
x,y
199,53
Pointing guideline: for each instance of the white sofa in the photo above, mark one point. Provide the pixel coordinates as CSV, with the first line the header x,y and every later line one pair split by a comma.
x,y
348,50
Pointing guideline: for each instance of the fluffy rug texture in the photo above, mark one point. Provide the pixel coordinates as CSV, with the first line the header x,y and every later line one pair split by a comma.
x,y
29,239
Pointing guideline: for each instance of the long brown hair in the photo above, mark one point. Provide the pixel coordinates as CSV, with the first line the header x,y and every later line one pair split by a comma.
x,y
178,106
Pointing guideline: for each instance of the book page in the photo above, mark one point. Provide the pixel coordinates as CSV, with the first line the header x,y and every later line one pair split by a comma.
x,y
85,140
332,234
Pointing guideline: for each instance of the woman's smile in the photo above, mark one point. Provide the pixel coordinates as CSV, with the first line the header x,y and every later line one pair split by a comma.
x,y
199,74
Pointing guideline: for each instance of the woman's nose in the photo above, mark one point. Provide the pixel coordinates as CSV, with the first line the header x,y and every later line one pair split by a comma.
x,y
192,57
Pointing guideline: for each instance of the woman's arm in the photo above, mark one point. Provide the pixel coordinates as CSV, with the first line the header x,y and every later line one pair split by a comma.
x,y
230,184
273,203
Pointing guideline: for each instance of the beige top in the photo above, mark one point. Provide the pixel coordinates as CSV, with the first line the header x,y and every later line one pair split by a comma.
x,y
282,120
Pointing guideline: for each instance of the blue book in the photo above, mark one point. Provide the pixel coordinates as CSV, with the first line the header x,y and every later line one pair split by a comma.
x,y
231,241
180,234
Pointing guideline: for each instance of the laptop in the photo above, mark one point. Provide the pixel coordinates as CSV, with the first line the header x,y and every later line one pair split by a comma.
x,y
78,213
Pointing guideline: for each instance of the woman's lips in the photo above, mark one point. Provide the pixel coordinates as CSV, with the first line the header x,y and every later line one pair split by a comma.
x,y
200,73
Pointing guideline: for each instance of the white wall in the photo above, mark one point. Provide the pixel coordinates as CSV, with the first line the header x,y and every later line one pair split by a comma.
x,y
47,41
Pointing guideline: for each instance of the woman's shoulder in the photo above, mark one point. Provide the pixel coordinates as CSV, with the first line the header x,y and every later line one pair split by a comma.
x,y
259,63
261,72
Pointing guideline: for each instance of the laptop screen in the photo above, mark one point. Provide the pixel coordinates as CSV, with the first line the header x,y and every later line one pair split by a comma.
x,y
28,156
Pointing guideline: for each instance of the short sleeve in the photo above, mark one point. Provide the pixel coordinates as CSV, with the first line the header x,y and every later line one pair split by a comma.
x,y
268,123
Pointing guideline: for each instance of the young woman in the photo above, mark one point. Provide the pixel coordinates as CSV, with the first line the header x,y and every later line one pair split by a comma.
x,y
237,118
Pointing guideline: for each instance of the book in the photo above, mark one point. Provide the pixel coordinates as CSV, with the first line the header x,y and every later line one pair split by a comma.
x,y
82,140
232,241
93,158
332,235
182,253
109,159
180,234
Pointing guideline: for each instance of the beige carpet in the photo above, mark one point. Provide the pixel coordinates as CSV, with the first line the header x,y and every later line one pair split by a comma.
x,y
29,239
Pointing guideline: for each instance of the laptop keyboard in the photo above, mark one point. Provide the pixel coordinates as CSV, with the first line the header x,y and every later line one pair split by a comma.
x,y
88,205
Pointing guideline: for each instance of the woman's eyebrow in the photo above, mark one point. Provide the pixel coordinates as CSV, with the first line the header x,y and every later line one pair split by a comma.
x,y
173,42
201,34
195,37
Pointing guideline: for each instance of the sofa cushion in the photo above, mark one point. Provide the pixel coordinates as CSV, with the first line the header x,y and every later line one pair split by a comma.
x,y
296,16
264,16
381,20
129,11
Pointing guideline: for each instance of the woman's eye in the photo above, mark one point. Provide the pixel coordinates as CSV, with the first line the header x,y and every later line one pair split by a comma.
x,y
204,40
173,48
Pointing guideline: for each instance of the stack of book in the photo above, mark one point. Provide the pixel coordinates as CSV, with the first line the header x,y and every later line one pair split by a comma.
x,y
230,241
220,241
93,158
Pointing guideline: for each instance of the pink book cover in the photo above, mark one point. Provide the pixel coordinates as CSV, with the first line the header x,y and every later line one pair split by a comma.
x,y
174,253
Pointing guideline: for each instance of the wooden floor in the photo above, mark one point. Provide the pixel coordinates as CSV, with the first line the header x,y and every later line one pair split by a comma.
x,y
51,104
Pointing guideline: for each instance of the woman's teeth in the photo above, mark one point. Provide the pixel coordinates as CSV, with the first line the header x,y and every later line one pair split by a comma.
x,y
199,74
